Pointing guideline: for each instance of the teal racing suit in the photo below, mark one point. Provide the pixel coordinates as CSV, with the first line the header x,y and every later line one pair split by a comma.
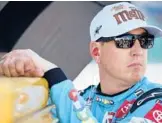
x,y
138,104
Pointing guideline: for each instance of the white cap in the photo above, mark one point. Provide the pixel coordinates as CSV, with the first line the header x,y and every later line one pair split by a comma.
x,y
119,18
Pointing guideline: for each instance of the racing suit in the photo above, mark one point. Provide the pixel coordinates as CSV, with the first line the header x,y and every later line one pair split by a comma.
x,y
138,104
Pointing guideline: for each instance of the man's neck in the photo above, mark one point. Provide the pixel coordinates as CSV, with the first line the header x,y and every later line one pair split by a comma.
x,y
111,86
110,95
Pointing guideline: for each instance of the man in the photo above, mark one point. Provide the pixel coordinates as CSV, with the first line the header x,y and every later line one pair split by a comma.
x,y
120,38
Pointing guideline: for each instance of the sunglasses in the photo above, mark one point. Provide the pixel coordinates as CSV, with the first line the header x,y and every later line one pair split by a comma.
x,y
127,40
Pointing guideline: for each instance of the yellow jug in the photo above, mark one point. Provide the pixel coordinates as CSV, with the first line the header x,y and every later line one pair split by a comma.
x,y
20,96
43,115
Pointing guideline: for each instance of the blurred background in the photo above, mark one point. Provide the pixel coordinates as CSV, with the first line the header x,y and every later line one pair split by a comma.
x,y
59,32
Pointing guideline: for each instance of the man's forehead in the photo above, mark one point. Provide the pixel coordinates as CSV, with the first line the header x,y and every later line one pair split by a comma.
x,y
138,31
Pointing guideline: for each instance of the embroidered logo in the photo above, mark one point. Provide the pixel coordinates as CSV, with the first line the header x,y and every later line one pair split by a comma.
x,y
155,114
126,15
124,109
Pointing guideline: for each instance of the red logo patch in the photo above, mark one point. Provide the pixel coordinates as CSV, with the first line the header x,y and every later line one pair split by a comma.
x,y
155,114
124,109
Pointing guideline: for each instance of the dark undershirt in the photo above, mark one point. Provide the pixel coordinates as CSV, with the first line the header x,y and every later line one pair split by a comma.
x,y
100,92
56,75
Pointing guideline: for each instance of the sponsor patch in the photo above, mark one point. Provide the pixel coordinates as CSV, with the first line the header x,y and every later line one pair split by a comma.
x,y
124,109
155,114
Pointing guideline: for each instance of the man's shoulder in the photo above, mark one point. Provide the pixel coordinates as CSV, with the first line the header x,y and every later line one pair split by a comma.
x,y
149,102
148,108
150,84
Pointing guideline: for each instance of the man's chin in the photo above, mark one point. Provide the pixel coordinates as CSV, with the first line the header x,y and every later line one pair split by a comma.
x,y
136,78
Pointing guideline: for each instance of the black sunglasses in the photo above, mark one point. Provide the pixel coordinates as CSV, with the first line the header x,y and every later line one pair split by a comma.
x,y
127,40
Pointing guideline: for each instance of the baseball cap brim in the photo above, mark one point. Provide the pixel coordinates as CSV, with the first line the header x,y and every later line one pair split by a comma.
x,y
154,30
157,32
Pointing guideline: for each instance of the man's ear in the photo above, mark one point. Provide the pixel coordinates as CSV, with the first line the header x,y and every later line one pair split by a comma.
x,y
95,51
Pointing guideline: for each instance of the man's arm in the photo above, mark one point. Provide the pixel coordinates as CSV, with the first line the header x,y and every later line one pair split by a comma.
x,y
54,76
27,63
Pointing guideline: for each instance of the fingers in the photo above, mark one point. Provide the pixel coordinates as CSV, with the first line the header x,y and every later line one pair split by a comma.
x,y
1,71
37,72
28,65
20,63
12,68
31,69
19,66
8,68
5,67
4,70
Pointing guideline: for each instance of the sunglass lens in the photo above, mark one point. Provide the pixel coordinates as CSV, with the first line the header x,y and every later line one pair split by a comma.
x,y
124,42
147,42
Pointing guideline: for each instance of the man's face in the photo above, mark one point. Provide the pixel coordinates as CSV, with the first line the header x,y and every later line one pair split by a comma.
x,y
124,64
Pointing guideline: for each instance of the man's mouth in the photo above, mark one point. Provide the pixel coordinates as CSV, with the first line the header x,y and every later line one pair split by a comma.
x,y
135,64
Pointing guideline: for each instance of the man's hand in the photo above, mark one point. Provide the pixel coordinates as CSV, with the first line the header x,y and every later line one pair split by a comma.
x,y
24,62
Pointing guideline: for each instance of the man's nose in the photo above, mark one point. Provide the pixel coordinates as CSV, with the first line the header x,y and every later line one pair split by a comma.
x,y
136,50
